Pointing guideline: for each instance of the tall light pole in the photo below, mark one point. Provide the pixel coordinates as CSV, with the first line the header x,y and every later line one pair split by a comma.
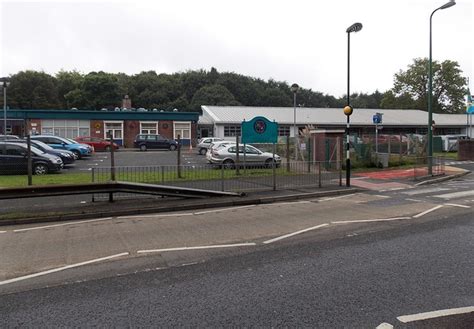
x,y
356,27
5,84
430,91
294,89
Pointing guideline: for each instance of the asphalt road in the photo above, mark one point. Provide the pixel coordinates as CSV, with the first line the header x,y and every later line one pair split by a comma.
x,y
366,276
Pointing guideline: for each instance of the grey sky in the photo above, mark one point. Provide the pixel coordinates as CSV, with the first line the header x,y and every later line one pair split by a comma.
x,y
302,41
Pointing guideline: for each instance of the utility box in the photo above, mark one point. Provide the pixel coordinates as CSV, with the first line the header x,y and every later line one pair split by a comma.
x,y
382,159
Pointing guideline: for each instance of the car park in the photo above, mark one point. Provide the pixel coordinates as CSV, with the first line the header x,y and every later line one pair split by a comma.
x,y
66,156
154,141
14,159
56,142
226,156
99,144
204,143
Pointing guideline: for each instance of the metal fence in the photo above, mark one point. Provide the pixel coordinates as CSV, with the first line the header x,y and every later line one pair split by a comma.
x,y
243,178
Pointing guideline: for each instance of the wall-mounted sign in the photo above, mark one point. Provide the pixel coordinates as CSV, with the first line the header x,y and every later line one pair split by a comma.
x,y
259,130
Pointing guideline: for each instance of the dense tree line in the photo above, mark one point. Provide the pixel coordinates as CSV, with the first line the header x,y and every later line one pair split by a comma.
x,y
187,91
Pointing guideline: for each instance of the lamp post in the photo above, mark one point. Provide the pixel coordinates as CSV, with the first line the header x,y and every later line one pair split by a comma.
x,y
294,89
356,27
430,91
5,84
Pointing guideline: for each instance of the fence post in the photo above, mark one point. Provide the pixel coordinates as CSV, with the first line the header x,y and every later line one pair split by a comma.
x,y
93,181
112,159
308,148
222,178
274,168
162,175
237,160
30,163
401,150
340,173
179,156
288,153
319,176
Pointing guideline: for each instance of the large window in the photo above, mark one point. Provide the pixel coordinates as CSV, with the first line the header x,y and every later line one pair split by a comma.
x,y
149,128
66,128
183,129
114,129
232,131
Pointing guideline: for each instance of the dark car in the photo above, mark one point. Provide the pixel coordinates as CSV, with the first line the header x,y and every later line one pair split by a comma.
x,y
67,156
99,144
61,143
154,141
14,159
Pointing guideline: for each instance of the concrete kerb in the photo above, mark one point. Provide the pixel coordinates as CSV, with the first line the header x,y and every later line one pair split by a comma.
x,y
442,179
202,204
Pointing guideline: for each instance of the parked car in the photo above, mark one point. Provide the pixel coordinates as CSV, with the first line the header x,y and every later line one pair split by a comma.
x,y
204,143
68,157
99,144
154,141
14,159
216,145
56,142
226,155
90,147
8,137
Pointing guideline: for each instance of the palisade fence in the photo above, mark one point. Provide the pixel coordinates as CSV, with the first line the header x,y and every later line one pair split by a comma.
x,y
241,178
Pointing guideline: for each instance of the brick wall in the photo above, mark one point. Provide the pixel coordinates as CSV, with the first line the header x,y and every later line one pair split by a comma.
x,y
97,128
165,128
34,125
131,128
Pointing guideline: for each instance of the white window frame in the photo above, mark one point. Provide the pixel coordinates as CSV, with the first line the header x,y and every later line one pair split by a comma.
x,y
148,122
175,135
50,126
105,129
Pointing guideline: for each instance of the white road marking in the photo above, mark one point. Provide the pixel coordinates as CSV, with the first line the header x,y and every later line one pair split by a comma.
x,y
3,232
457,205
369,220
427,211
198,247
435,314
384,325
63,224
25,277
338,197
83,202
426,190
294,233
88,169
287,203
381,196
224,209
414,200
155,216
454,195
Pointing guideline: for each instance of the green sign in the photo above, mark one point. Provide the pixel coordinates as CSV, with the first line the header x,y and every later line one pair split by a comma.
x,y
259,130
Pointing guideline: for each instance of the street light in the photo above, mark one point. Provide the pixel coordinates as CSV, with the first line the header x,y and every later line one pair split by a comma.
x,y
294,89
5,84
430,92
356,27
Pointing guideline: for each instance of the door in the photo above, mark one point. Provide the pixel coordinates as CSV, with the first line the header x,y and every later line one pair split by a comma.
x,y
16,160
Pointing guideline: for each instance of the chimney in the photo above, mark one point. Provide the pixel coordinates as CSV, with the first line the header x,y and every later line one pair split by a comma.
x,y
126,102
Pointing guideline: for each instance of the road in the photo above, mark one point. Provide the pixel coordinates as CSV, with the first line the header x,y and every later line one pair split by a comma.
x,y
355,279
351,261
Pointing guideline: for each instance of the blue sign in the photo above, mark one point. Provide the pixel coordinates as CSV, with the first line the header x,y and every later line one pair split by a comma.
x,y
377,118
259,130
470,109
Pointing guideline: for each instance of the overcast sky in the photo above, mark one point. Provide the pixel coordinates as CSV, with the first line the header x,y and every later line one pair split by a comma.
x,y
302,41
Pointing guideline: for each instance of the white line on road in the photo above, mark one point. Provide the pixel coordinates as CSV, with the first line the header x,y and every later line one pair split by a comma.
x,y
224,209
338,197
155,216
427,211
457,205
198,247
454,195
21,278
435,314
287,203
413,200
3,232
426,190
294,233
63,224
369,220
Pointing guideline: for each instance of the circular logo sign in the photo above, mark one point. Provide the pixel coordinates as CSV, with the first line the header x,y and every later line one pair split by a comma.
x,y
259,126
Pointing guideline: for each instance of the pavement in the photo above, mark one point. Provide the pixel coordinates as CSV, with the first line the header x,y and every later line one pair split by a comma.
x,y
69,208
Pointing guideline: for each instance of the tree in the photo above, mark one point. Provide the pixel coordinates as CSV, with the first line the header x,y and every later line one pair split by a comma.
x,y
212,95
448,87
66,83
33,90
100,90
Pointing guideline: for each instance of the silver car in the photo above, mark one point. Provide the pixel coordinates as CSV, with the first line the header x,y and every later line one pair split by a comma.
x,y
216,145
226,155
204,143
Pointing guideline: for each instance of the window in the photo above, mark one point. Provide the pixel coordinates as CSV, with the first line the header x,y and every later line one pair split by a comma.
x,y
15,150
114,129
66,128
283,130
231,131
148,127
151,138
183,129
